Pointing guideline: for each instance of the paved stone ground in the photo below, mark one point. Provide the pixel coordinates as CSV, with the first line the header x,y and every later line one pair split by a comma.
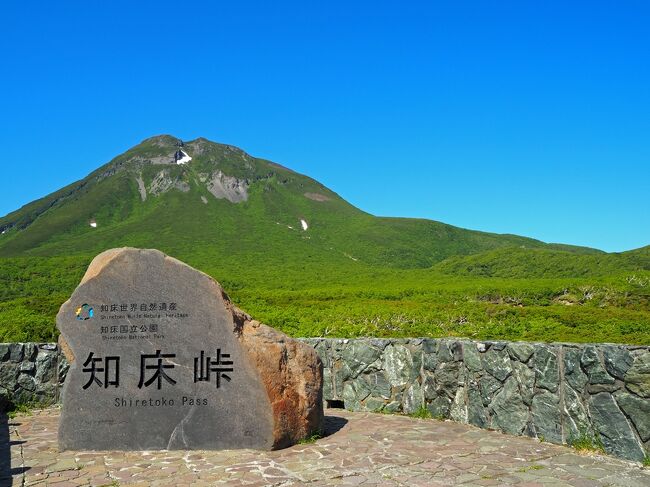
x,y
359,449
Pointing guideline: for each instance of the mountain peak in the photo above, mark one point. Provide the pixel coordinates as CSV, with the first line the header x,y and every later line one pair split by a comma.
x,y
222,200
161,149
163,140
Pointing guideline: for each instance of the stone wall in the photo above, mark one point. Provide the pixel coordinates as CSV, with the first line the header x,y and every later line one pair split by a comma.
x,y
555,392
30,373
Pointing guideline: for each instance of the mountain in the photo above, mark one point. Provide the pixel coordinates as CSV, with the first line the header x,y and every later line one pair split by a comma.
x,y
218,201
299,257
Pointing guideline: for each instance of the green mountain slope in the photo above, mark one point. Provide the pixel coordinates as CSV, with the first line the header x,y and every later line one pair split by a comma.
x,y
299,257
226,203
542,263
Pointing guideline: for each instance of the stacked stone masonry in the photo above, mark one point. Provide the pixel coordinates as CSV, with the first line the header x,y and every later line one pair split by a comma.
x,y
555,392
30,373
558,393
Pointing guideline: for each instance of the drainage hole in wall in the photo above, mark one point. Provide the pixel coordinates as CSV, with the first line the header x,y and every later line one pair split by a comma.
x,y
333,404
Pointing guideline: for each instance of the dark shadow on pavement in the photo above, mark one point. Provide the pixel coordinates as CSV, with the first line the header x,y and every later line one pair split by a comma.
x,y
6,444
333,424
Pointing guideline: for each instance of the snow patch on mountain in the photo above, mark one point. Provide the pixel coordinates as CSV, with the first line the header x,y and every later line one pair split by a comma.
x,y
304,224
184,158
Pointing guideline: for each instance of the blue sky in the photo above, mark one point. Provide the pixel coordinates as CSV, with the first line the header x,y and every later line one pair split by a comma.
x,y
530,118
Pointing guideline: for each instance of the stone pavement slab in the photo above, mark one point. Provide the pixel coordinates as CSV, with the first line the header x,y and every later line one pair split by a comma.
x,y
360,449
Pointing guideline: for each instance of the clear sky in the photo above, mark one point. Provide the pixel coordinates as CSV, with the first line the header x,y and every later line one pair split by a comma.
x,y
521,117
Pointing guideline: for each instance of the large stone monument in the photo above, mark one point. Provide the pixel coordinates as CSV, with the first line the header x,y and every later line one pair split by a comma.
x,y
161,359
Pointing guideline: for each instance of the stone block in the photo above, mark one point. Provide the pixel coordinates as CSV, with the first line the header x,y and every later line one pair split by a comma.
x,y
574,415
508,411
399,365
446,377
546,416
378,384
638,410
547,372
613,428
521,351
526,380
4,352
9,375
489,386
497,363
16,352
358,355
161,359
618,360
637,378
45,364
472,357
592,365
450,350
439,407
476,413
413,398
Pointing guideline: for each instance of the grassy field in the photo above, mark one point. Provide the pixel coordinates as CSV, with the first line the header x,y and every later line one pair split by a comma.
x,y
320,301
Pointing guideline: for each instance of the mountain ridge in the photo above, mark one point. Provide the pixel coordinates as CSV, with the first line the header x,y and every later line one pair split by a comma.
x,y
226,172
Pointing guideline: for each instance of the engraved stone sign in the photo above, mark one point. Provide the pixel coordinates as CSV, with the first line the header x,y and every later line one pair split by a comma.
x,y
161,359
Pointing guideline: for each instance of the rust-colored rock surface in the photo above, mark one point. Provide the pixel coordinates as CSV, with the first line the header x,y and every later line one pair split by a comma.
x,y
292,374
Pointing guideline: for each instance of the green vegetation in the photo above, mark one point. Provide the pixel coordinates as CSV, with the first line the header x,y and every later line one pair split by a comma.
x,y
13,409
646,461
372,302
587,442
19,409
31,292
350,274
421,413
313,438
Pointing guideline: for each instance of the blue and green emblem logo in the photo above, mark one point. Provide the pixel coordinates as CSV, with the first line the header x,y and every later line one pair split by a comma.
x,y
84,312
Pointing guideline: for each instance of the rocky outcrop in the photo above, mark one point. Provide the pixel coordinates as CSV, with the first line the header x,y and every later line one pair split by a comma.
x,y
293,378
227,187
163,182
141,187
